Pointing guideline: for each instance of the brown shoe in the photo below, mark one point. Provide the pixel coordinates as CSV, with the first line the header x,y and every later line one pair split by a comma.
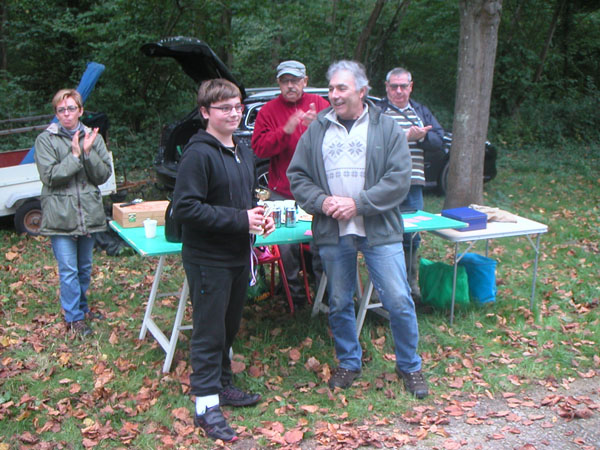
x,y
343,378
80,327
414,382
93,315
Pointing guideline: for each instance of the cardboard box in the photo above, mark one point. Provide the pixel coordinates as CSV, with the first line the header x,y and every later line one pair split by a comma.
x,y
134,215
476,220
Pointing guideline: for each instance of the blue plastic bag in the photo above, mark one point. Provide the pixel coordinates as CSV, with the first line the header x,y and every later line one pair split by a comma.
x,y
481,274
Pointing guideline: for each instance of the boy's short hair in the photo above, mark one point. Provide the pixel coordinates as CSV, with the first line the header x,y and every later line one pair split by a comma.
x,y
216,90
66,93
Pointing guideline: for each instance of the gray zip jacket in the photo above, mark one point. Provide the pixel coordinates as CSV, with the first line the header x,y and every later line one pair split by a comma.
x,y
71,199
387,180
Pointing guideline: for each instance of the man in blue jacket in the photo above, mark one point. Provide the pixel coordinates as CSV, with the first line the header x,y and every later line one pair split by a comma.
x,y
351,170
424,134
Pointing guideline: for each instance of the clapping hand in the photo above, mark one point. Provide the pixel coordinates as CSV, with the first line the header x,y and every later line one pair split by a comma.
x,y
415,133
88,141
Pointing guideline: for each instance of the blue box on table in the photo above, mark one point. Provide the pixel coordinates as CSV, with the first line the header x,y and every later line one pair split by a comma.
x,y
476,220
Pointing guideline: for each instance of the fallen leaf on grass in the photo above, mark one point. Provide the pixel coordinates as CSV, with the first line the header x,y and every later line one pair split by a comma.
x,y
312,364
113,338
311,409
11,255
458,383
182,414
294,354
237,366
293,436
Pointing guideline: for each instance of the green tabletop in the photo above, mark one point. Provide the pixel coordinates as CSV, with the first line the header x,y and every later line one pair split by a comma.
x,y
424,221
136,237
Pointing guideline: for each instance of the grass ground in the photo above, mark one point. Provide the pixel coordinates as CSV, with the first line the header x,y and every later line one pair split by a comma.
x,y
108,391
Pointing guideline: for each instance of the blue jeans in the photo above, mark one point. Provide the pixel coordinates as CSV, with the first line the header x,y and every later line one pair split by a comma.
x,y
388,272
414,200
74,257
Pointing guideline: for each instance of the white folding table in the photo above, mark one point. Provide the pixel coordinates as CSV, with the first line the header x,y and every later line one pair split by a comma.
x,y
413,223
159,246
494,230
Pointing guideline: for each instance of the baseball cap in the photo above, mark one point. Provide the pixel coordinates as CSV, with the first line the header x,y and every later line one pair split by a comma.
x,y
294,68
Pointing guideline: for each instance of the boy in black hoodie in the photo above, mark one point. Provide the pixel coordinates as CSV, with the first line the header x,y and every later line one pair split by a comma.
x,y
213,200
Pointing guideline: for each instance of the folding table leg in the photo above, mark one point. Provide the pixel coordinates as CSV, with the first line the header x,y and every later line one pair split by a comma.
x,y
177,327
536,248
456,260
318,304
363,307
152,298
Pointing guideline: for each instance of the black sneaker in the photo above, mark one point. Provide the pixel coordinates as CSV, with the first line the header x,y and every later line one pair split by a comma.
x,y
414,382
80,327
214,425
233,396
343,378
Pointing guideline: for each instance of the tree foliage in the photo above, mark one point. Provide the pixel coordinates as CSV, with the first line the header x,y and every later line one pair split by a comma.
x,y
545,82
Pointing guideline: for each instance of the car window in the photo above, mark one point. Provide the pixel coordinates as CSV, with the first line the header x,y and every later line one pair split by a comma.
x,y
252,112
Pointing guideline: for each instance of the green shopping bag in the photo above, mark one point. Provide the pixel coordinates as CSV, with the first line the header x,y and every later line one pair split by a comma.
x,y
435,281
260,290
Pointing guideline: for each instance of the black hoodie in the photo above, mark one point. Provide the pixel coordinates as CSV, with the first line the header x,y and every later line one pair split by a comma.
x,y
213,191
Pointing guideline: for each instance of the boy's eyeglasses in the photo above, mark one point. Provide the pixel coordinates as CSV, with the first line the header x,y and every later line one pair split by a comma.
x,y
226,109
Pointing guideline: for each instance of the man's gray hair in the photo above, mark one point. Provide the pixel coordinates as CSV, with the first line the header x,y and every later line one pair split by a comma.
x,y
355,68
396,72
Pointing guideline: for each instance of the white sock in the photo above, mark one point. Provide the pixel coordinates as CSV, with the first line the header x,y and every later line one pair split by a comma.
x,y
205,402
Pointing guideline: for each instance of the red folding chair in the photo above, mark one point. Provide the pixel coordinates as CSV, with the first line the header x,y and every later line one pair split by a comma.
x,y
272,256
305,247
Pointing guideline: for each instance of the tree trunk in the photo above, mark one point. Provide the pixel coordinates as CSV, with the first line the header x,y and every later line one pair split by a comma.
x,y
479,21
359,51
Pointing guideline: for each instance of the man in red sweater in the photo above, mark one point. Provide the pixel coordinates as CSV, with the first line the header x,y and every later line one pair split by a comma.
x,y
277,130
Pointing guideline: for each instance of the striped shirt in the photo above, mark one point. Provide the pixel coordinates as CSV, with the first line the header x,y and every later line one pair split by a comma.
x,y
417,155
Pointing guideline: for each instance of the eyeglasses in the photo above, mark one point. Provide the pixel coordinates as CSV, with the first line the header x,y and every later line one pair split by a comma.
x,y
226,109
404,86
71,109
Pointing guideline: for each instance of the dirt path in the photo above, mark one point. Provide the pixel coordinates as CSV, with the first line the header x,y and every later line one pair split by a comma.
x,y
548,416
545,417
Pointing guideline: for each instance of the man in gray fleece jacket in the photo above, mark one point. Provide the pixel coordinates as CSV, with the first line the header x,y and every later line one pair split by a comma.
x,y
351,170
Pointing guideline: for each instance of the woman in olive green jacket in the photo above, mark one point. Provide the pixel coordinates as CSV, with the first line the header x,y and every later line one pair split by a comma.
x,y
72,161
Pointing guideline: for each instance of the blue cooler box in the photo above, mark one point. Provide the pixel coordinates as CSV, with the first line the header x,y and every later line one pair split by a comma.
x,y
476,220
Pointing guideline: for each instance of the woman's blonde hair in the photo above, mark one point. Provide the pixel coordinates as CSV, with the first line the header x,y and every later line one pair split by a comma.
x,y
66,93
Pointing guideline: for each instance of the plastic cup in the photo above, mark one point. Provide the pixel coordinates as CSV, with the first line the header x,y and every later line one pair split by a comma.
x,y
150,228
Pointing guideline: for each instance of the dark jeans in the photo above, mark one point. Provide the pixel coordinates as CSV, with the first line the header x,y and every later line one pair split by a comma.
x,y
218,295
414,200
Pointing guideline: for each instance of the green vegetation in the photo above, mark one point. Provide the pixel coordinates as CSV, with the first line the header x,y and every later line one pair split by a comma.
x,y
548,98
109,389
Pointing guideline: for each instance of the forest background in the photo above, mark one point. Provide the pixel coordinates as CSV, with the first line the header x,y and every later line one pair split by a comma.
x,y
546,82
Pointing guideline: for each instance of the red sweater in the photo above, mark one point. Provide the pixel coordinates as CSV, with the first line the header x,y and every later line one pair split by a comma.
x,y
270,141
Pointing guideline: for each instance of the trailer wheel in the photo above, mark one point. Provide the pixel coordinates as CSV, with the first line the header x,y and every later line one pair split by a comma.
x,y
28,217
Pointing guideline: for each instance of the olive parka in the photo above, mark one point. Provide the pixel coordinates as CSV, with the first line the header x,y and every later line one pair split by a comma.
x,y
71,199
